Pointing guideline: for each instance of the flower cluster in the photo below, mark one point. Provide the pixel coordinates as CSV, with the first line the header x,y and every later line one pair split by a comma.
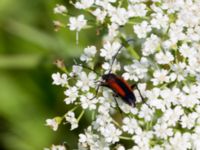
x,y
163,59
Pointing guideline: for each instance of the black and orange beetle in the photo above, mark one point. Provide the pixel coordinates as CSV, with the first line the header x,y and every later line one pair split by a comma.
x,y
117,84
120,87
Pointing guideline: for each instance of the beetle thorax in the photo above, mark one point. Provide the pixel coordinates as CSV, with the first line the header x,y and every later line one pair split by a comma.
x,y
108,76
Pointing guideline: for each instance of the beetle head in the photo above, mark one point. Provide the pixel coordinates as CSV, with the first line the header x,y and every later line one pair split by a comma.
x,y
108,76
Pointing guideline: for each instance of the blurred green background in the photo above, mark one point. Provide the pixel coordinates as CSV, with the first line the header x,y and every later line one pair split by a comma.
x,y
28,47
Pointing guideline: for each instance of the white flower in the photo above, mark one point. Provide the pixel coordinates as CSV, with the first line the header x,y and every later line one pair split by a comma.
x,y
107,66
142,139
86,81
58,147
186,51
180,142
171,116
172,5
70,117
153,99
164,58
82,138
109,50
113,30
189,121
176,33
159,21
77,23
137,10
179,71
84,4
72,94
130,125
146,112
137,70
195,138
59,79
162,131
88,101
76,70
120,147
111,133
142,29
150,45
100,14
53,123
160,76
59,9
89,52
119,16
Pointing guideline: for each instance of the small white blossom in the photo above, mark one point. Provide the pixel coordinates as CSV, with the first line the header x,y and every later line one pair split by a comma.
x,y
146,113
179,71
77,23
83,4
142,138
88,101
189,121
187,51
130,125
137,70
72,94
86,81
120,147
164,58
113,30
162,131
59,9
159,21
171,116
59,79
100,14
111,133
70,117
89,52
116,66
176,33
109,50
150,45
180,142
142,29
119,16
53,123
160,76
137,10
58,147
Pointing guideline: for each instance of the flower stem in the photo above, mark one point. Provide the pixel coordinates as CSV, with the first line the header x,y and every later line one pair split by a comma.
x,y
125,138
80,116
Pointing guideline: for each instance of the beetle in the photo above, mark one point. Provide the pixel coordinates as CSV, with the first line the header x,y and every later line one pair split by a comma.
x,y
117,84
120,87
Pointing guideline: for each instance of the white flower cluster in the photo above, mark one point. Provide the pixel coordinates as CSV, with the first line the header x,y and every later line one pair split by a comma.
x,y
163,59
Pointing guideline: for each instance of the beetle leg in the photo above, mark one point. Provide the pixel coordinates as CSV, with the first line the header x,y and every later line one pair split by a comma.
x,y
117,104
97,90
115,95
140,94
133,86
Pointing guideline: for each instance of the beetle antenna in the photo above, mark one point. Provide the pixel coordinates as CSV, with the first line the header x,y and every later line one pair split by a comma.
x,y
115,56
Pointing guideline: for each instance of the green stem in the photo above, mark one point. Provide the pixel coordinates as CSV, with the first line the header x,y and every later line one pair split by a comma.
x,y
81,114
130,49
116,123
126,138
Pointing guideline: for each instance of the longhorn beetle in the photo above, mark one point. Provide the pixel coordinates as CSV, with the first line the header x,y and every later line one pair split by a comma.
x,y
117,84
